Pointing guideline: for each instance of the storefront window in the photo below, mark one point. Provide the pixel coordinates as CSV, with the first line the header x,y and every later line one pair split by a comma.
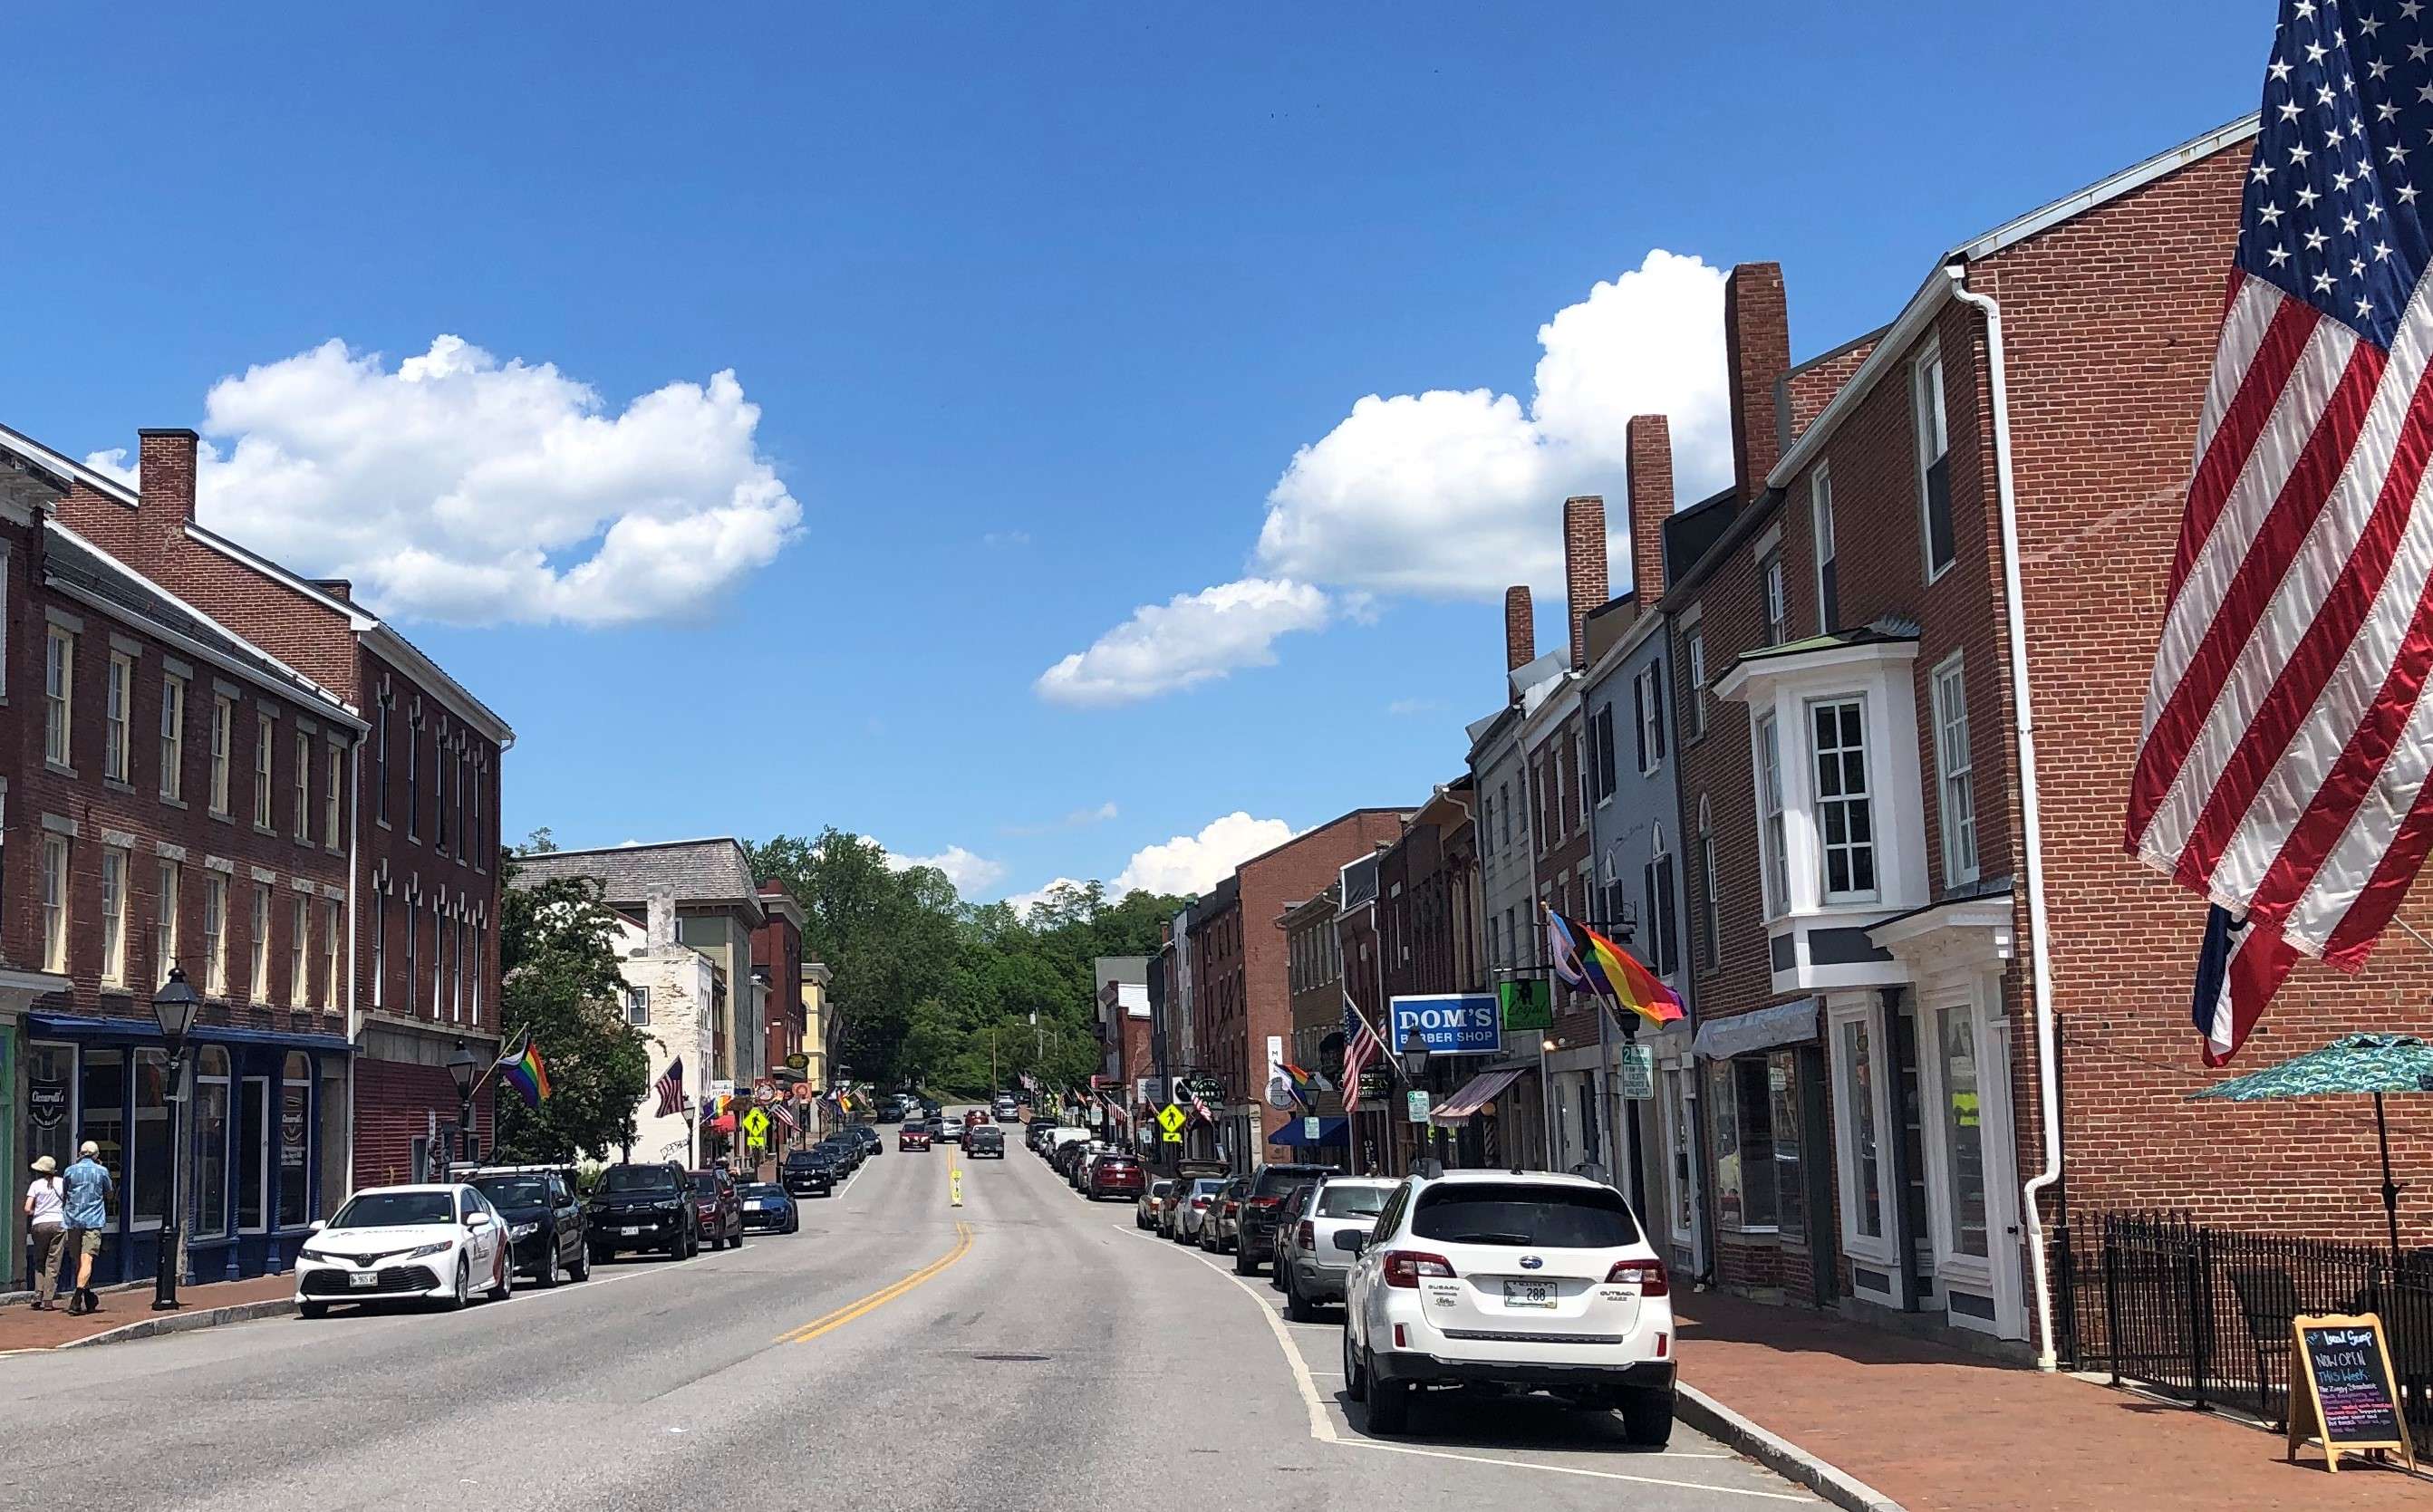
x,y
102,1107
333,1134
211,1142
50,1103
1962,1131
1790,1174
294,1140
252,1126
1859,1096
148,1174
1744,1155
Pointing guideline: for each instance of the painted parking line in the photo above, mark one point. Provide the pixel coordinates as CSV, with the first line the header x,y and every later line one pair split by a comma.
x,y
830,1322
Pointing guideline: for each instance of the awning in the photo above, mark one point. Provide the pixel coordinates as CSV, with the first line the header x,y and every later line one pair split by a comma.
x,y
1720,1039
723,1124
1295,1135
89,1027
1475,1094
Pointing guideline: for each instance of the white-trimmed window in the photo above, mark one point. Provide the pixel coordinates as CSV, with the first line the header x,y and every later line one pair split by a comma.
x,y
303,786
172,737
1777,597
55,903
261,772
1663,955
1858,1107
210,1117
113,916
223,750
439,790
438,956
258,960
59,695
117,702
216,935
1648,707
638,1005
1933,462
1846,827
331,783
479,969
1955,788
1770,832
457,972
1712,902
380,944
1820,517
299,951
165,921
331,918
1555,795
1693,641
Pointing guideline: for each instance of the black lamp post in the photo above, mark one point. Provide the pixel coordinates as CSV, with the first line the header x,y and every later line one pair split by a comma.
x,y
463,1068
173,1005
1415,1070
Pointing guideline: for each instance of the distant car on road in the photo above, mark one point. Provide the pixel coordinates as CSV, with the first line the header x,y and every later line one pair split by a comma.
x,y
1007,1110
1315,1251
1117,1175
984,1143
912,1137
544,1219
766,1209
720,1206
392,1243
809,1173
1192,1203
1262,1208
643,1206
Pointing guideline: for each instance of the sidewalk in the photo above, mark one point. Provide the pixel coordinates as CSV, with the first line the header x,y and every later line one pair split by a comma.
x,y
22,1328
1940,1431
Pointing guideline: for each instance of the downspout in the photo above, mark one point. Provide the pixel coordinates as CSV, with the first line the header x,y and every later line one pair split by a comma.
x,y
354,890
2048,1070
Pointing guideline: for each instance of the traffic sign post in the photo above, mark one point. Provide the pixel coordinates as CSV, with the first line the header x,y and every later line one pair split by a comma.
x,y
1171,1119
756,1124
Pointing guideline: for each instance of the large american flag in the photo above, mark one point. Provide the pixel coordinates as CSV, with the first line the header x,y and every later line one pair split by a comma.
x,y
672,1089
2286,752
1360,1046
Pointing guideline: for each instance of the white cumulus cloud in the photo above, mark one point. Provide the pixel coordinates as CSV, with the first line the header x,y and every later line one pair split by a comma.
x,y
461,488
1189,639
1022,903
969,873
1195,863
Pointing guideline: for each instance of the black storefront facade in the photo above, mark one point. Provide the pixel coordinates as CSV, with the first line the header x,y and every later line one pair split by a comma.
x,y
265,1118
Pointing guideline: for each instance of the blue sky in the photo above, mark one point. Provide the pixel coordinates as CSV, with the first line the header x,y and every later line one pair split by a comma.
x,y
1036,304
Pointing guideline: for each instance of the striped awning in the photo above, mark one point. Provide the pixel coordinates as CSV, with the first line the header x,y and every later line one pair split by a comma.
x,y
1475,1094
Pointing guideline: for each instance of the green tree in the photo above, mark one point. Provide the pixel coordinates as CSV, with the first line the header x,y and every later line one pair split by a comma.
x,y
560,982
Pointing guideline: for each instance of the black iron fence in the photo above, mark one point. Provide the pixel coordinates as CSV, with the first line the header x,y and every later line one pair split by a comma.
x,y
2205,1315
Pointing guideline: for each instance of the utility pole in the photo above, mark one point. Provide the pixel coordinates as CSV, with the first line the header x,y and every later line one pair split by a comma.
x,y
993,1081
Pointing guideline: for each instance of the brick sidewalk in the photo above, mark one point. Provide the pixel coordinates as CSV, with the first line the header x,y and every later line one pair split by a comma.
x,y
1941,1430
22,1328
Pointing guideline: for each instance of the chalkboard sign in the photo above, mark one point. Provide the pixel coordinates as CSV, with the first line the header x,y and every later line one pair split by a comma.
x,y
2343,1393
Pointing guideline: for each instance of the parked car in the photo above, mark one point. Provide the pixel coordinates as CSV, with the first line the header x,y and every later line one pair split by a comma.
x,y
1314,1251
1151,1206
766,1209
1192,1203
1222,1231
440,1240
1498,1278
544,1219
1076,1167
986,1143
1262,1207
1297,1205
1117,1175
813,1172
871,1143
848,1151
643,1206
720,1206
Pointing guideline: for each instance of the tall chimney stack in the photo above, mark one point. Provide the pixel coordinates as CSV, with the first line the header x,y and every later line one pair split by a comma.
x,y
164,480
1757,356
1519,630
659,917
1584,566
1650,441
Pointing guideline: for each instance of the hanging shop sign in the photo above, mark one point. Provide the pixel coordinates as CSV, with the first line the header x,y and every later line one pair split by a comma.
x,y
47,1103
1526,1003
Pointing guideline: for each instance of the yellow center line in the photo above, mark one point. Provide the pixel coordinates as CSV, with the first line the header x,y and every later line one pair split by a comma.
x,y
839,1318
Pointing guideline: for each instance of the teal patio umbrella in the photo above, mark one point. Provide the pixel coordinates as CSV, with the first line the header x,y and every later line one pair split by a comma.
x,y
2374,1064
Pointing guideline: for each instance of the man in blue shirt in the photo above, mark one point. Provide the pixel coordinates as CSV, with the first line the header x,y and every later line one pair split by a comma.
x,y
88,1191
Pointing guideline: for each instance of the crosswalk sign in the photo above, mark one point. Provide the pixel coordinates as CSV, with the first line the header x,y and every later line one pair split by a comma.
x,y
1170,1118
756,1124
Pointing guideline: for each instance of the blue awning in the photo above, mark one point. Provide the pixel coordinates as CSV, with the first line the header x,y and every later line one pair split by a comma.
x,y
1295,1135
92,1027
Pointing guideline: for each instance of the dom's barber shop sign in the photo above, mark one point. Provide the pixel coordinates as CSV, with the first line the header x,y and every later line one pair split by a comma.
x,y
1448,1022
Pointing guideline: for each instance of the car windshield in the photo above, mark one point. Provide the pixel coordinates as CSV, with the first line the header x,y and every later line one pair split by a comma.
x,y
1350,1201
514,1191
1557,1217
705,1183
395,1210
1276,1177
1206,1186
762,1189
636,1178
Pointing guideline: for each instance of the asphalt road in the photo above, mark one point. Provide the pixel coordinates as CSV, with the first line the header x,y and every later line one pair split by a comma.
x,y
1027,1349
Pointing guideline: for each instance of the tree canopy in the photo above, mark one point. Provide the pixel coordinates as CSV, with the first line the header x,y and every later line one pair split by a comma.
x,y
560,982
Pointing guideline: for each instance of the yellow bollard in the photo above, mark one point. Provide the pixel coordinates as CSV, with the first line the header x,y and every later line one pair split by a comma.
x,y
954,1185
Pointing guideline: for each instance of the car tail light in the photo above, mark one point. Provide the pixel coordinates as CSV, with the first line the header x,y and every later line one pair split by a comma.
x,y
1663,1345
1403,1267
1265,1202
1200,1202
1650,1275
1305,1234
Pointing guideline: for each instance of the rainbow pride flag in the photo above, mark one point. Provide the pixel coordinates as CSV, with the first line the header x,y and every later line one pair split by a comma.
x,y
523,1066
1587,962
1306,1084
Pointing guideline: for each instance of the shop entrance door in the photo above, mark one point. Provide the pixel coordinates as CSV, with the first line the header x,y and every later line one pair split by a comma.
x,y
252,1156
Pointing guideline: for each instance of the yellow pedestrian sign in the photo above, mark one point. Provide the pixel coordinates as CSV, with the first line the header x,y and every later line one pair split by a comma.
x,y
1170,1118
756,1124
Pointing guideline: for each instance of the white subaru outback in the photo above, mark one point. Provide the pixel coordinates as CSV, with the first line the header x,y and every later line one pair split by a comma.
x,y
1528,1280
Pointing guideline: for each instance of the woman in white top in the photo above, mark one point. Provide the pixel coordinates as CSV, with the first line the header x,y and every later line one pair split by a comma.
x,y
47,1224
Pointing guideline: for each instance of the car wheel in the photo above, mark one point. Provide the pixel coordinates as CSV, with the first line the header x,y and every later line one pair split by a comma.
x,y
1648,1417
1389,1406
582,1268
464,1292
312,1308
1297,1307
737,1242
1355,1385
506,1285
1243,1264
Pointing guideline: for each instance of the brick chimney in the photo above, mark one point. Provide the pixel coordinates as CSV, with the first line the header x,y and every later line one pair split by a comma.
x,y
1519,630
165,482
659,918
1757,356
1650,438
1584,568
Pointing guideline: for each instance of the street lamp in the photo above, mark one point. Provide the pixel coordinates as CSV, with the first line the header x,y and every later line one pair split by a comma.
x,y
463,1068
1415,1070
173,1005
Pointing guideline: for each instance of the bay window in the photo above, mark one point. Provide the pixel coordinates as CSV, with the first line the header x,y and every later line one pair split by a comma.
x,y
1772,833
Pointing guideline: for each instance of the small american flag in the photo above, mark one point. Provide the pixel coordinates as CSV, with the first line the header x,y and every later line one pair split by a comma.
x,y
1360,1046
782,1111
672,1089
2283,771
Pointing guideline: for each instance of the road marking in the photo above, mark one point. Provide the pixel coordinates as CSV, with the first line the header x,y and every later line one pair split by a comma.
x,y
831,1321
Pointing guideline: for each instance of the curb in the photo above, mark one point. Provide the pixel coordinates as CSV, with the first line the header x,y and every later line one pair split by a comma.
x,y
1776,1453
187,1322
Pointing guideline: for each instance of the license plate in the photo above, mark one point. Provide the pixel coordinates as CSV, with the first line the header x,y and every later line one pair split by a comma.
x,y
1529,1294
629,1230
364,1277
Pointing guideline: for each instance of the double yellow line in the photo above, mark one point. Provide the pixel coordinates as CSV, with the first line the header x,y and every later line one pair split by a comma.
x,y
832,1321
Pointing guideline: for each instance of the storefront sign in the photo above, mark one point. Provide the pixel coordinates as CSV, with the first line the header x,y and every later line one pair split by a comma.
x,y
47,1103
1448,1023
1149,1089
1638,1064
2344,1394
295,1107
799,1060
1415,1104
1309,1130
721,1087
1526,1003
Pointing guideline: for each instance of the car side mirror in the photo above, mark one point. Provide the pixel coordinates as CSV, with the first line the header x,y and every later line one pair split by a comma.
x,y
317,1226
477,1221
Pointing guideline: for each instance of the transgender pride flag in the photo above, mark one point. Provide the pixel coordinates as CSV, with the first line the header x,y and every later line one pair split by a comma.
x,y
1587,962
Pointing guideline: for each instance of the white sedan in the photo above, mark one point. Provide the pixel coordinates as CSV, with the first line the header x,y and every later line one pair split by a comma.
x,y
393,1242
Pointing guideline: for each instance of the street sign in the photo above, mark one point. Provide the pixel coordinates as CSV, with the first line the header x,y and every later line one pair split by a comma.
x,y
799,1060
756,1124
1638,1072
1309,1130
1415,1104
1526,1003
1171,1136
1171,1119
1449,1024
721,1087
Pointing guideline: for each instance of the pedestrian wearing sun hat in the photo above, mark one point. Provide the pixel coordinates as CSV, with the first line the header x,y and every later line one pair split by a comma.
x,y
46,1225
86,1191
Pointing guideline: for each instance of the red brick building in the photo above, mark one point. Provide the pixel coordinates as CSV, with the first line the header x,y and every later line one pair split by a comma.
x,y
777,959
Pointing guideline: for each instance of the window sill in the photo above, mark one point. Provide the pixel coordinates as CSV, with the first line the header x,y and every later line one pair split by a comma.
x,y
382,822
221,817
52,766
261,828
119,785
171,801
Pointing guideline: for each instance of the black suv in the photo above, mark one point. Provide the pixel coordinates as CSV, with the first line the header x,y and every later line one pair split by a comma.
x,y
643,1207
984,1142
545,1222
1263,1209
809,1173
871,1143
